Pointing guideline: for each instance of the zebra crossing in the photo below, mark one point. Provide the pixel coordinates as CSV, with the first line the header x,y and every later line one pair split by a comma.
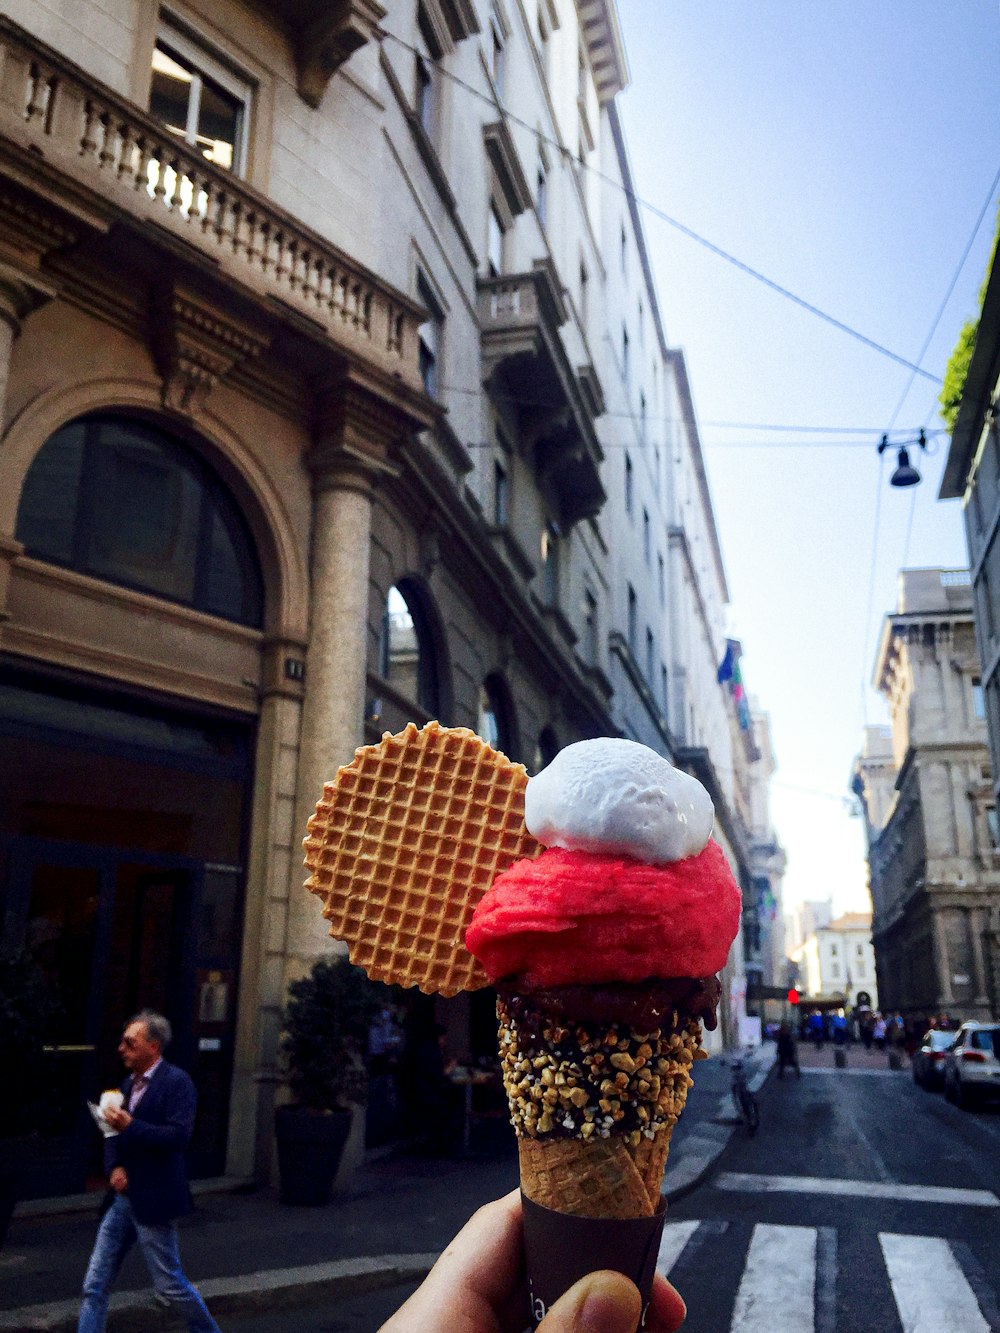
x,y
787,1283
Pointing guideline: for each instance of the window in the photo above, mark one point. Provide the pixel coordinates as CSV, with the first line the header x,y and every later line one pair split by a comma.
x,y
859,969
590,624
664,689
430,337
632,617
199,100
427,87
834,951
629,483
650,654
495,716
123,500
494,243
645,537
623,247
550,564
499,495
624,352
993,825
834,971
498,55
642,418
542,187
661,580
978,701
407,658
584,294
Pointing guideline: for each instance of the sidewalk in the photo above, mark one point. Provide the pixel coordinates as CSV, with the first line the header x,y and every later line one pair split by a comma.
x,y
246,1251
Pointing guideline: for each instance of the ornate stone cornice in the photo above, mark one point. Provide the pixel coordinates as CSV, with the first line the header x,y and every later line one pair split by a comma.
x,y
325,34
195,345
356,433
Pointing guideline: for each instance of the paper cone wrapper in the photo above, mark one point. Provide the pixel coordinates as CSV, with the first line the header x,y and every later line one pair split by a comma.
x,y
560,1249
594,1107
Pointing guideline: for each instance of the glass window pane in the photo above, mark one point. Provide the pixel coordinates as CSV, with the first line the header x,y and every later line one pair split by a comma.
x,y
219,115
46,518
170,91
231,588
144,515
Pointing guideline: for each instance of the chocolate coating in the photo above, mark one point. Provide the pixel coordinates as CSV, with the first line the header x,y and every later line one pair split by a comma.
x,y
643,1005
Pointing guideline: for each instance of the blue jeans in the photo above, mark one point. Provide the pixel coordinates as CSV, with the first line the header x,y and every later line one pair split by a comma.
x,y
116,1235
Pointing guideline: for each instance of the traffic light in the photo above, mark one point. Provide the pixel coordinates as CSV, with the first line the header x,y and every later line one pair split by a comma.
x,y
793,996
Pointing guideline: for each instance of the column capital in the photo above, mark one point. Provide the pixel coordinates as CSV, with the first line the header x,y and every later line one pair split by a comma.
x,y
356,433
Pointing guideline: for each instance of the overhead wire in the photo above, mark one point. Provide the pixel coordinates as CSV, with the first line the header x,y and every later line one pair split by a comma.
x,y
664,216
990,196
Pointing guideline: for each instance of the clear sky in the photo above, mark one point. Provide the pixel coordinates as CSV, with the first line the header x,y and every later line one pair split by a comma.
x,y
844,150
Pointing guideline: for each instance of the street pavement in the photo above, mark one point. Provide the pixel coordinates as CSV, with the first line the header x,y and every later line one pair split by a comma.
x,y
256,1260
862,1205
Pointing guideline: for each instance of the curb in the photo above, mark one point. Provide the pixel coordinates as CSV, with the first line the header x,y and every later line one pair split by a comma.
x,y
277,1289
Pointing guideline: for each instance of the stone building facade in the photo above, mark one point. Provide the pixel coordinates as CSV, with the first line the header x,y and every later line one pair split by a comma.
x,y
930,807
836,961
334,394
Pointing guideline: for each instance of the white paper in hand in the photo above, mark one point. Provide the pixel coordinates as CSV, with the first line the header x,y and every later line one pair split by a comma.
x,y
108,1099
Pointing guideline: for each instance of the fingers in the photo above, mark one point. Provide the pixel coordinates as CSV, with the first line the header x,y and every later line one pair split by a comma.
x,y
667,1310
471,1285
607,1302
602,1302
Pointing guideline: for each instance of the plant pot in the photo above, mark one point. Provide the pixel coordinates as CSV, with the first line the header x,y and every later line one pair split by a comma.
x,y
310,1145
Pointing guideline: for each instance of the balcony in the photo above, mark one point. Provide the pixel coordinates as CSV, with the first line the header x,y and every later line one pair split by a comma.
x,y
68,137
529,376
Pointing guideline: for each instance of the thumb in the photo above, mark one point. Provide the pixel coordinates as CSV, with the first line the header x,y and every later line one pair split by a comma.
x,y
604,1302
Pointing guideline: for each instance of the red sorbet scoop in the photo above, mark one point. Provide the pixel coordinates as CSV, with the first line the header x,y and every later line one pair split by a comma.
x,y
570,918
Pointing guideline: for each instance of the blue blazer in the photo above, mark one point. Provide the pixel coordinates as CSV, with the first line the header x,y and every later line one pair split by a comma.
x,y
152,1148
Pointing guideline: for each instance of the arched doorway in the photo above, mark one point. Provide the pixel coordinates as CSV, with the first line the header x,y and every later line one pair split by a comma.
x,y
124,809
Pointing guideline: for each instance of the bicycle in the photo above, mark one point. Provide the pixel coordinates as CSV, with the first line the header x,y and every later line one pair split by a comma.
x,y
743,1097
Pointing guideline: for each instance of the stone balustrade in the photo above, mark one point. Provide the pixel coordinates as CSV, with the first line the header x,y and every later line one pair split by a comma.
x,y
62,120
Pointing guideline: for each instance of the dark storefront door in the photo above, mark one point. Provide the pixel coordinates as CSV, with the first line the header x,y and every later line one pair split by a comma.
x,y
112,932
122,841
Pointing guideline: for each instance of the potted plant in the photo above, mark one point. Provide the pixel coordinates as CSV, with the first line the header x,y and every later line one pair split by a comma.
x,y
325,1034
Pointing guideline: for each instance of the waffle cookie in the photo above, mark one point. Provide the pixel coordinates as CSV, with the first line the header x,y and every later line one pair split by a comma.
x,y
405,841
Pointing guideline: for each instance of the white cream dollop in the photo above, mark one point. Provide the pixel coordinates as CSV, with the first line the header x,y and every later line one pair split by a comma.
x,y
619,797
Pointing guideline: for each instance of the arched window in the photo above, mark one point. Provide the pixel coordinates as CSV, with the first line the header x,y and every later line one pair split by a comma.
x,y
122,500
545,750
407,656
495,716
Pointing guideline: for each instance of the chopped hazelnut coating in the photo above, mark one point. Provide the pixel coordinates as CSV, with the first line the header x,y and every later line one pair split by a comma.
x,y
596,1080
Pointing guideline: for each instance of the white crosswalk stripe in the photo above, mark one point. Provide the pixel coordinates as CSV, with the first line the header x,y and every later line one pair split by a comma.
x,y
930,1290
778,1289
783,1289
675,1236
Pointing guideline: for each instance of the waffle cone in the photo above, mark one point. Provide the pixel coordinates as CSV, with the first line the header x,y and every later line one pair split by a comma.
x,y
405,841
594,1106
595,1178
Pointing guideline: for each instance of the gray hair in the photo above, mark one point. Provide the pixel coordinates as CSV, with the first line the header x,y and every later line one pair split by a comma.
x,y
157,1027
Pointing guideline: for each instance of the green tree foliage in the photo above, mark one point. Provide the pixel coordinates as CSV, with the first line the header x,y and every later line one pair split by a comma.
x,y
957,370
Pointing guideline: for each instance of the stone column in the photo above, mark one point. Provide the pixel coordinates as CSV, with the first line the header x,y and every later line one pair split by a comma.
x,y
941,959
350,455
978,925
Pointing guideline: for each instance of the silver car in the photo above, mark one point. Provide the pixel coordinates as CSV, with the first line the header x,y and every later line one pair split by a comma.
x,y
972,1065
928,1061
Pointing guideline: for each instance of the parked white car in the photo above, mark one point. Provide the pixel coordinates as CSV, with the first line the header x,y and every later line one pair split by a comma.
x,y
972,1065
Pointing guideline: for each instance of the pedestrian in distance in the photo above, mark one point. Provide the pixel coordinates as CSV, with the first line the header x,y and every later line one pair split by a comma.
x,y
879,1032
149,1190
788,1053
478,1285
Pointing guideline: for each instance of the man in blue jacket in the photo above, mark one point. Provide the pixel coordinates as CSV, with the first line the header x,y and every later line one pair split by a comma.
x,y
145,1163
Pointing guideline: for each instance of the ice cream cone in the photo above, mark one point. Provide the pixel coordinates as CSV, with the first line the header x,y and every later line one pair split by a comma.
x,y
594,1106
